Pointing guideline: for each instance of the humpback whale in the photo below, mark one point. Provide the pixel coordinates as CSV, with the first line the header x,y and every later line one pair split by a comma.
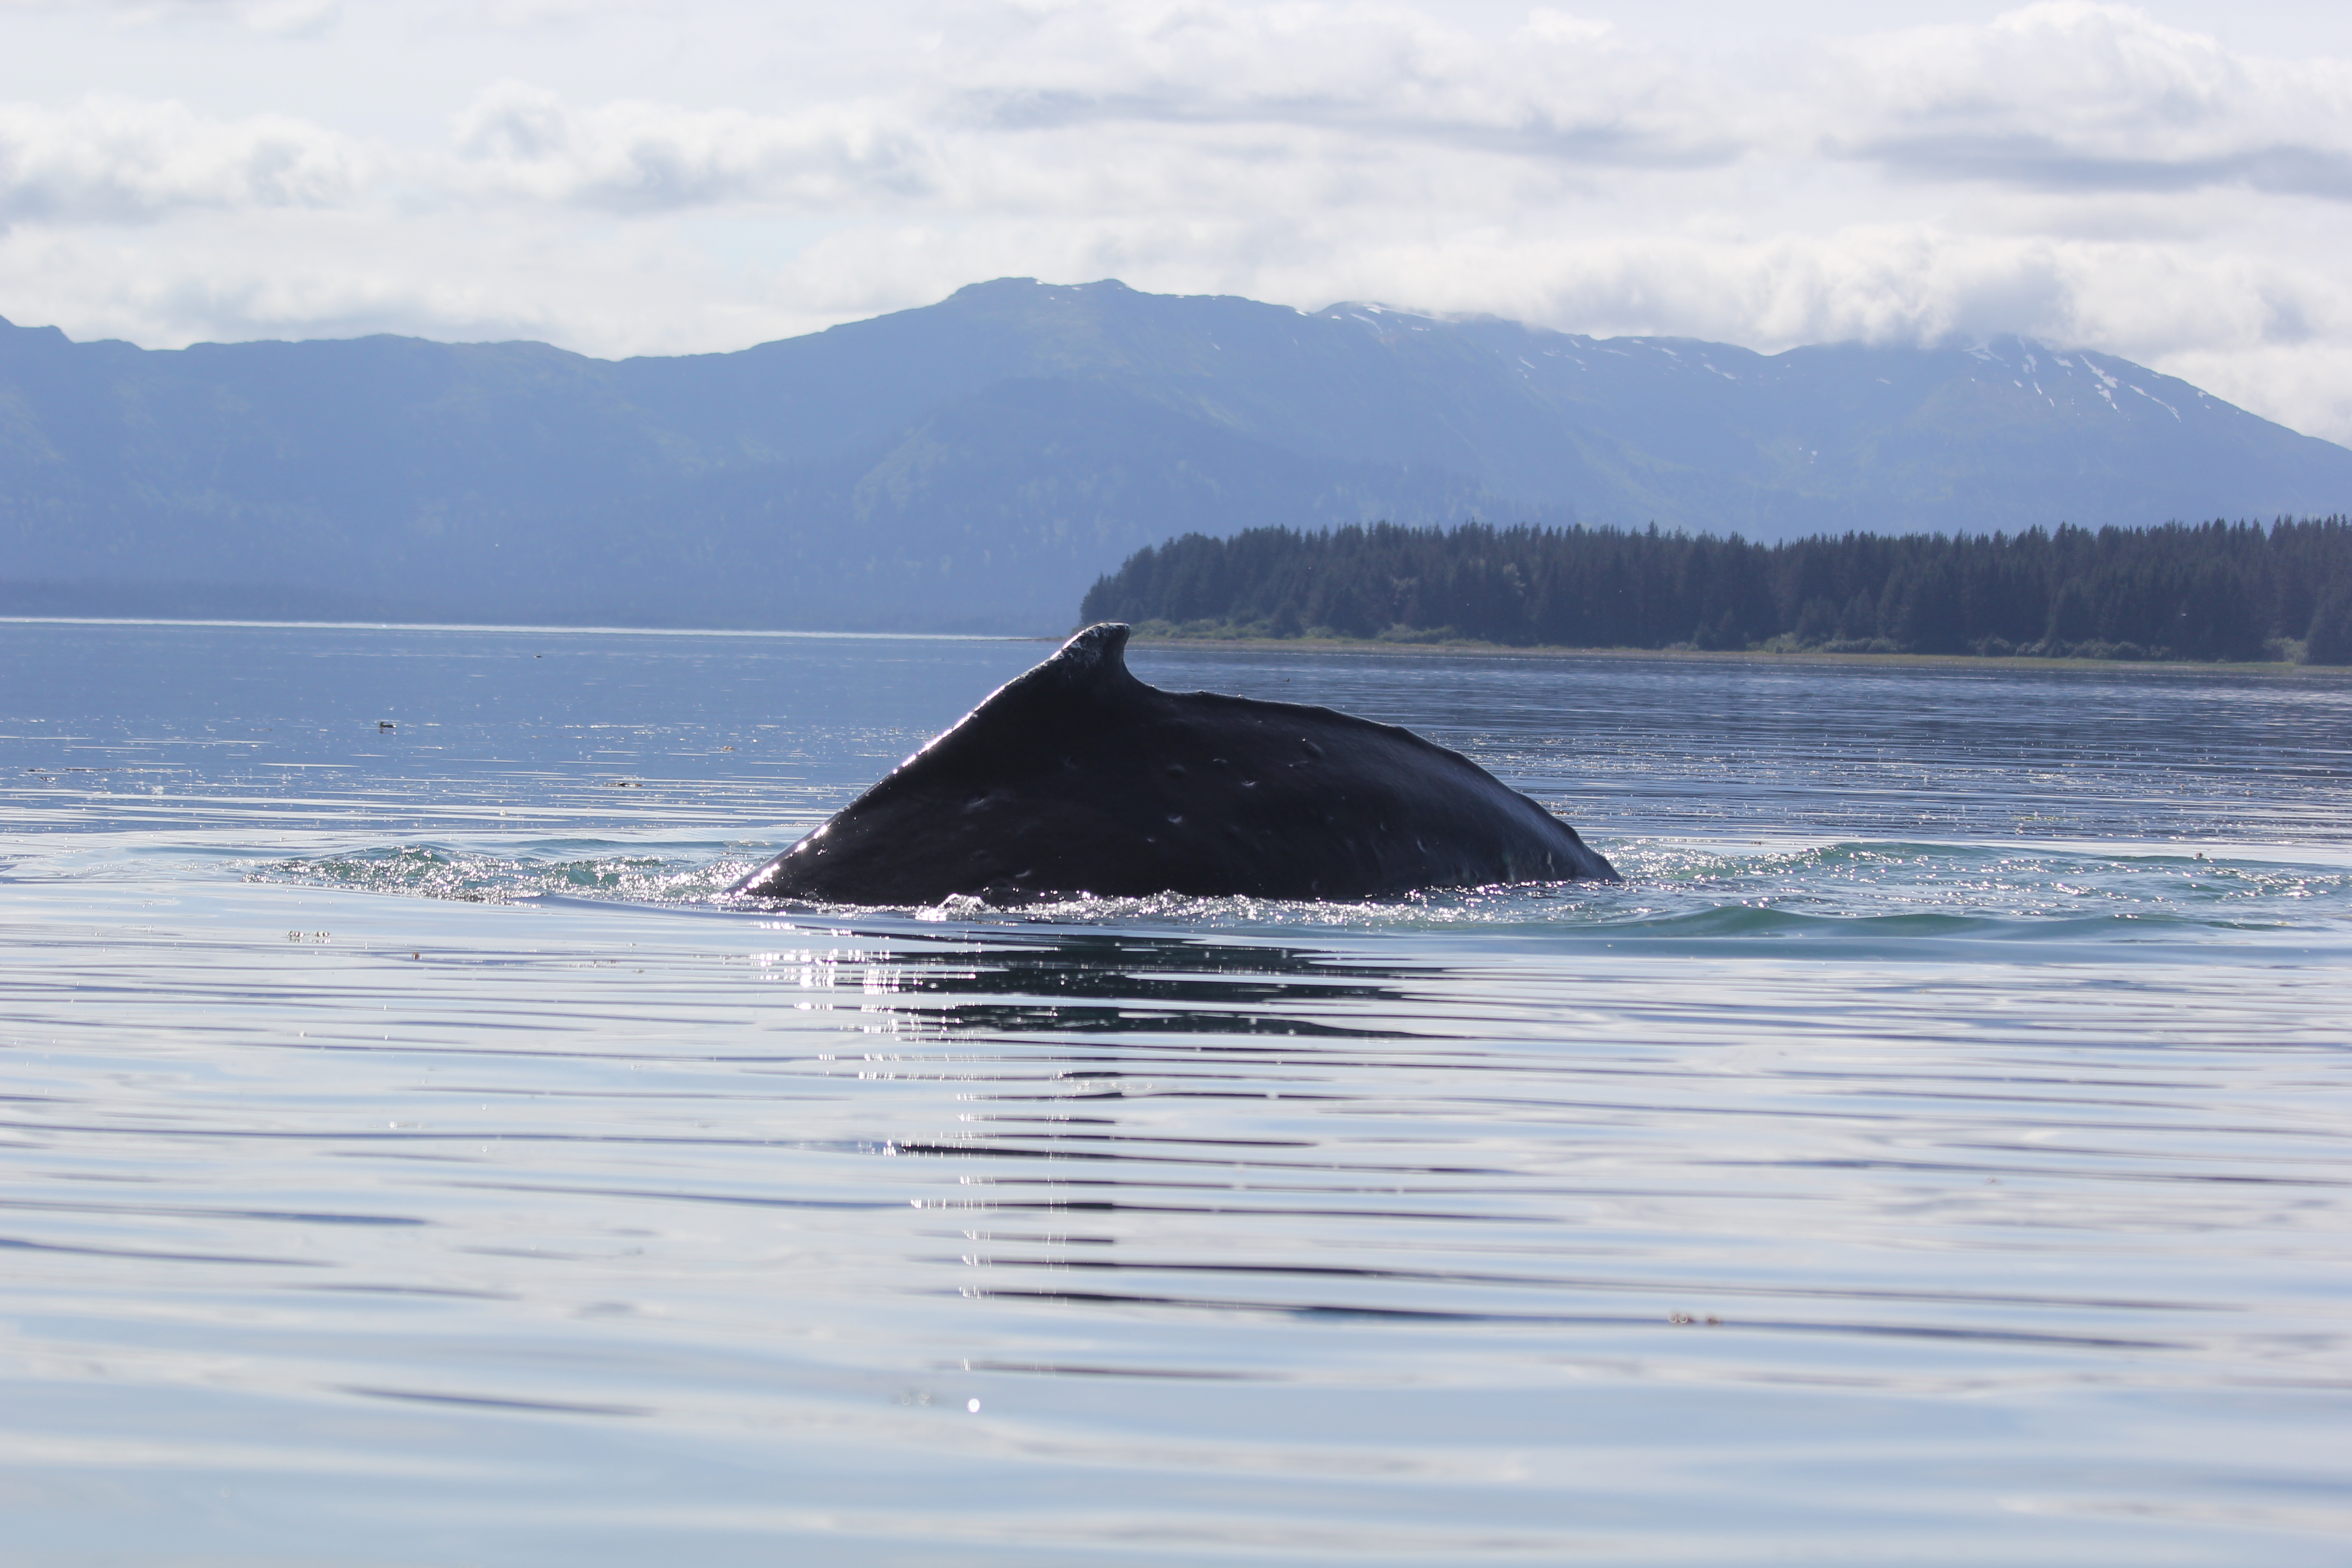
x,y
1078,778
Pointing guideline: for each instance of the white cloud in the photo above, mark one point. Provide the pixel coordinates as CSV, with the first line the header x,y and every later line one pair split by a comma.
x,y
114,162
455,277
645,157
1558,87
282,18
1546,26
2078,96
2082,173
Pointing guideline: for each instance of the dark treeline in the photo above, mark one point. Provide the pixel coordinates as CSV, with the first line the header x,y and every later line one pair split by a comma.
x,y
2210,591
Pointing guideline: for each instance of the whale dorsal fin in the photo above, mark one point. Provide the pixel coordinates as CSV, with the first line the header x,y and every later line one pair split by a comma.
x,y
1093,660
1088,669
1084,674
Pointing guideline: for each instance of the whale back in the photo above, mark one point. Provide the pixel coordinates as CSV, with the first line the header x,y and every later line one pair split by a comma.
x,y
1076,777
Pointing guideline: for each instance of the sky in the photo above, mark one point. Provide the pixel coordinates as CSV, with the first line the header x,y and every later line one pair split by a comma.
x,y
2169,182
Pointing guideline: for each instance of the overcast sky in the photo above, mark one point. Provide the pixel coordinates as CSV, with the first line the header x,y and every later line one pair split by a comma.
x,y
2170,183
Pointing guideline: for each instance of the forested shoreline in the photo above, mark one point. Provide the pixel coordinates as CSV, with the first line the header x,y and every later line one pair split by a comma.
x,y
2216,591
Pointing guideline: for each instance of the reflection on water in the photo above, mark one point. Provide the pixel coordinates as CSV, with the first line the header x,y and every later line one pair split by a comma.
x,y
1433,1236
494,1194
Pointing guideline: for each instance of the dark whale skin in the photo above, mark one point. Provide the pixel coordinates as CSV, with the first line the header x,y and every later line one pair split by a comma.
x,y
1077,778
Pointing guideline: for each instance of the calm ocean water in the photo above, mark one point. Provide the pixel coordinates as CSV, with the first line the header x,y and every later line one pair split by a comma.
x,y
1939,1151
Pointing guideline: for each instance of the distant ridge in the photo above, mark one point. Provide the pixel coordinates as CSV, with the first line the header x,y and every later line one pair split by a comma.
x,y
974,465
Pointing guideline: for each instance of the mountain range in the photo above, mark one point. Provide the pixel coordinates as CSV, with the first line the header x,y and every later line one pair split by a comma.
x,y
975,464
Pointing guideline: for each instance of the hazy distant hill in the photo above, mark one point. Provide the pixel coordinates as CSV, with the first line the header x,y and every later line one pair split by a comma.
x,y
977,463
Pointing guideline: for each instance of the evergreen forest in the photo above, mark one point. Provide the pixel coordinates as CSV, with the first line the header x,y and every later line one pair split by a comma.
x,y
2216,591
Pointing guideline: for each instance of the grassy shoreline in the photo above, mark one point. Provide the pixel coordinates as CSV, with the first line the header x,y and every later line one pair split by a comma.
x,y
1742,656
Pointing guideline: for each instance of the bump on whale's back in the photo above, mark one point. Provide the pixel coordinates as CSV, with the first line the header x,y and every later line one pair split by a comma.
x,y
1077,777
